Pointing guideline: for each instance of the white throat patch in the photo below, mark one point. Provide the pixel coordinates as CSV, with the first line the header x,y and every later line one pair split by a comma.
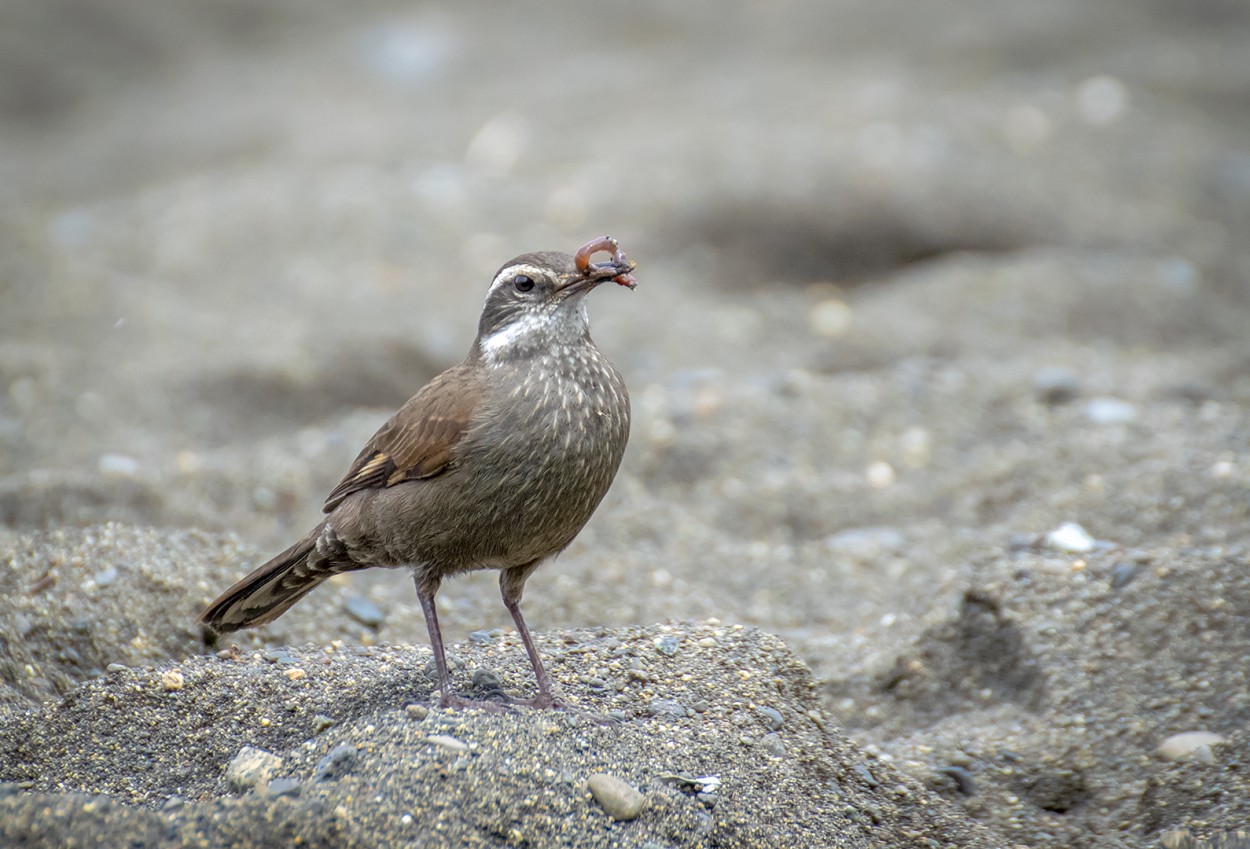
x,y
501,341
561,326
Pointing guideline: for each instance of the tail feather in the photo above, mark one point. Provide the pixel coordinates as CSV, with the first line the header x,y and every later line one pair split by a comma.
x,y
270,590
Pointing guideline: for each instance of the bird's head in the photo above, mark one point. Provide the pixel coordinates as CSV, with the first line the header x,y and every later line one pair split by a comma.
x,y
536,301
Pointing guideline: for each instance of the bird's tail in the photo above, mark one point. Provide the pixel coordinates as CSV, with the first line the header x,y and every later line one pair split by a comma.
x,y
268,592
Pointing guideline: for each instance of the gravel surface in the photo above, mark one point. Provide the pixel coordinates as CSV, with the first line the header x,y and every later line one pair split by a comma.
x,y
939,372
233,756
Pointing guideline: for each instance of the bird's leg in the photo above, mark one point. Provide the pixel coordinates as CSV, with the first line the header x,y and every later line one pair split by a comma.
x,y
511,586
425,595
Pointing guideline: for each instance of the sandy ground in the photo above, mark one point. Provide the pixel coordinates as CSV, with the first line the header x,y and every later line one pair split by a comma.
x,y
918,287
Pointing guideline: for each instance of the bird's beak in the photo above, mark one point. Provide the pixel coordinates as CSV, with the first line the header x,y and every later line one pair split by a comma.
x,y
584,281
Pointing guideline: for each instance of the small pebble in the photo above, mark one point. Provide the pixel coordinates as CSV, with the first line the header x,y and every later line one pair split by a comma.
x,y
336,764
668,645
481,637
251,768
1110,411
364,611
621,801
487,682
284,787
638,674
321,722
445,741
867,777
596,685
879,474
417,711
1194,745
1070,538
830,318
279,656
116,667
117,465
1123,573
1056,385
1182,838
689,783
773,744
866,544
105,577
665,707
962,778
453,663
171,679
773,719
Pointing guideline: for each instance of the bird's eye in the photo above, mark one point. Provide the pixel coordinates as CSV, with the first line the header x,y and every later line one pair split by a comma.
x,y
522,283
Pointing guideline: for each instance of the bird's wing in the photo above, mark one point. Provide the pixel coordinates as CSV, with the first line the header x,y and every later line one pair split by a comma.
x,y
417,442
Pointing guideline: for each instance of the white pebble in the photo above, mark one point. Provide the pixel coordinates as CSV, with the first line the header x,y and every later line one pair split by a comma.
x,y
1110,411
830,318
118,465
445,741
866,544
879,474
1190,744
1222,470
1071,538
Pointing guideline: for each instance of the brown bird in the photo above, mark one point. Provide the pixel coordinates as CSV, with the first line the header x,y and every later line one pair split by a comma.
x,y
497,463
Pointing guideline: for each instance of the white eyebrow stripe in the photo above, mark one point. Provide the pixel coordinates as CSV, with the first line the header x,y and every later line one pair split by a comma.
x,y
505,277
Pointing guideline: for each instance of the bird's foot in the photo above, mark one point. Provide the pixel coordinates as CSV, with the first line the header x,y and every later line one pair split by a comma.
x,y
460,703
543,701
546,701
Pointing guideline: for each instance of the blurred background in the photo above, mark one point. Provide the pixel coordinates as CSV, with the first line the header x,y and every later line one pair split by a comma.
x,y
915,280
